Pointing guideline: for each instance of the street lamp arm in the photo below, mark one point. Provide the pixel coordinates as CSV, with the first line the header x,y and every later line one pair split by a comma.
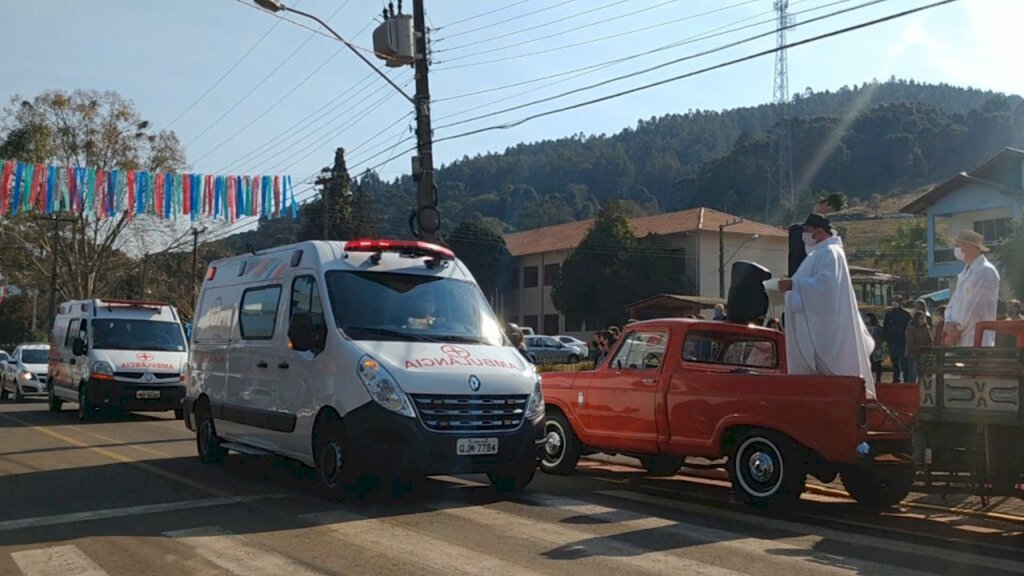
x,y
281,7
740,247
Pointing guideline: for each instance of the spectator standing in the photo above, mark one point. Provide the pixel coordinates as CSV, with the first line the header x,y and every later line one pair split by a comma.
x,y
920,306
719,312
976,295
871,321
919,336
939,323
895,331
1015,311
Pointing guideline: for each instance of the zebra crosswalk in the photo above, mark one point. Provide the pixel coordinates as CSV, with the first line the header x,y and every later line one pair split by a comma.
x,y
604,532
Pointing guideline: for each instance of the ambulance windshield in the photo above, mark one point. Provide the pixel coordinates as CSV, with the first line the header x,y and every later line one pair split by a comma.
x,y
119,334
410,307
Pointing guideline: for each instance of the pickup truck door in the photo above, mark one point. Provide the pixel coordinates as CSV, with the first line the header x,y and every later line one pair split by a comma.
x,y
618,406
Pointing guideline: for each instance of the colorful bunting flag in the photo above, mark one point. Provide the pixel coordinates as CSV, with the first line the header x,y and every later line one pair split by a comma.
x,y
98,193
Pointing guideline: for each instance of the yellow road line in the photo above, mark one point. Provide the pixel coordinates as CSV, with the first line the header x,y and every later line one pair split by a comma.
x,y
119,458
127,444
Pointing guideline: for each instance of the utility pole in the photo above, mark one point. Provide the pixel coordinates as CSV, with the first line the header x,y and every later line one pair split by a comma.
x,y
721,254
195,256
145,275
54,243
35,309
427,218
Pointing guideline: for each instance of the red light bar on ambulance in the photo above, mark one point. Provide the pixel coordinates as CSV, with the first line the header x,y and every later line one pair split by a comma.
x,y
407,247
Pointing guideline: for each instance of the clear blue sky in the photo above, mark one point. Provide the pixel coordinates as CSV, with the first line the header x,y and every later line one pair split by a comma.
x,y
164,54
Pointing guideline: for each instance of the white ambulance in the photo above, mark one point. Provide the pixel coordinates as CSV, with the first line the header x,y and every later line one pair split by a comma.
x,y
360,359
122,354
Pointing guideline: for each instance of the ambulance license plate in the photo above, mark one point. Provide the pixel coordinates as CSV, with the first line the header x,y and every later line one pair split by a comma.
x,y
147,394
476,446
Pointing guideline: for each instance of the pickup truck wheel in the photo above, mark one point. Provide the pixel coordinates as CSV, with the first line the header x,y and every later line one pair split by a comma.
x,y
883,486
561,448
766,469
661,465
207,442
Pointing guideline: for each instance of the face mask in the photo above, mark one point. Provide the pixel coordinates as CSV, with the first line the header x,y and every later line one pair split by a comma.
x,y
809,241
958,254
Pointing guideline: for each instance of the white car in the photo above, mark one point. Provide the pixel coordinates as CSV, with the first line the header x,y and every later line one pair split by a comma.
x,y
26,373
582,346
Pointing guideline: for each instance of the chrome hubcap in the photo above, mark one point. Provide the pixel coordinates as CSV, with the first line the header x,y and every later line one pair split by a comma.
x,y
761,466
553,443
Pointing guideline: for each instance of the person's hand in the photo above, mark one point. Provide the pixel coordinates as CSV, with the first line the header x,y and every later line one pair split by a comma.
x,y
785,285
952,333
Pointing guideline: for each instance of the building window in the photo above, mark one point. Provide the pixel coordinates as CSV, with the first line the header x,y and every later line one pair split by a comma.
x,y
573,325
551,272
551,324
994,231
530,277
530,321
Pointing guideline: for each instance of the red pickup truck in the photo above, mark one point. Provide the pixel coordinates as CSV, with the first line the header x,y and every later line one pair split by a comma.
x,y
677,388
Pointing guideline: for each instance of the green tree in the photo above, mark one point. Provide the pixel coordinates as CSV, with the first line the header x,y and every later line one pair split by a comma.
x,y
905,253
588,287
83,128
483,251
16,321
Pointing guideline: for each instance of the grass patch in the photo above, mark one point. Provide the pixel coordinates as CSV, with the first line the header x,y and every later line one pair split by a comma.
x,y
578,367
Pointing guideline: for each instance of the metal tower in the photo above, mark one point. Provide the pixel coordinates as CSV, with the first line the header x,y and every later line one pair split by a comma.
x,y
785,144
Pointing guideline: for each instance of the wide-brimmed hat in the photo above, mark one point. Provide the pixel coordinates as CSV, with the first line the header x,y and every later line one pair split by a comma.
x,y
818,221
968,236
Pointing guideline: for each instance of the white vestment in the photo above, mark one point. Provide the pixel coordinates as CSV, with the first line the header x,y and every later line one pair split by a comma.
x,y
825,333
974,300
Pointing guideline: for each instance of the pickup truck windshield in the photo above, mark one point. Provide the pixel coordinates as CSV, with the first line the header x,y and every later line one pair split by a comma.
x,y
410,307
35,356
116,334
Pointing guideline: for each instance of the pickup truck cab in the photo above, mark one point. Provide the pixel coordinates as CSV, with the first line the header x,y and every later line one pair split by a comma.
x,y
677,388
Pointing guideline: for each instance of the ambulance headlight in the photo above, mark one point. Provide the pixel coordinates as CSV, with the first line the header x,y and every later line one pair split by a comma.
x,y
102,368
535,405
383,387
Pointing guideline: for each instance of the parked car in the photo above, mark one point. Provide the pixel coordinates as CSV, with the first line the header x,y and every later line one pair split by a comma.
x,y
548,350
583,347
26,372
678,388
4,356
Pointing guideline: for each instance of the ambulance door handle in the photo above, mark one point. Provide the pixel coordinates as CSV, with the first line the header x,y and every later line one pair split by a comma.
x,y
283,365
261,364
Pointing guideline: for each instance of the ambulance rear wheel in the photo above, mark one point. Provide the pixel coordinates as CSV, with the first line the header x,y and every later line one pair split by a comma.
x,y
207,442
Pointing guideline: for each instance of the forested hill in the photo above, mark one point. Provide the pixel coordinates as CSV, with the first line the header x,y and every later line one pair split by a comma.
x,y
873,139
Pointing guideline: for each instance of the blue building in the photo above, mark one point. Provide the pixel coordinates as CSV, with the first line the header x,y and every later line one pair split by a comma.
x,y
986,199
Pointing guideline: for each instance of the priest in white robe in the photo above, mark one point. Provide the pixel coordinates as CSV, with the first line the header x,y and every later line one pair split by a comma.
x,y
976,295
825,333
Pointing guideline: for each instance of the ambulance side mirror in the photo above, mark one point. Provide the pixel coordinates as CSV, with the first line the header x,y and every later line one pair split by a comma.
x,y
300,332
78,347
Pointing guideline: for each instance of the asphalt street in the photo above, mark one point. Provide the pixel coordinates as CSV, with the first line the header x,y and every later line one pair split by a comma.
x,y
128,496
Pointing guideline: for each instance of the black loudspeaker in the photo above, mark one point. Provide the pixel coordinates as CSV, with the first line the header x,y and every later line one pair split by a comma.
x,y
747,299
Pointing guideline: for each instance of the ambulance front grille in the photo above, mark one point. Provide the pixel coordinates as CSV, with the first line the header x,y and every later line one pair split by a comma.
x,y
470,413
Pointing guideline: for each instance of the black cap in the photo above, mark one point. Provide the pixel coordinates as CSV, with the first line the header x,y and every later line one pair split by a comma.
x,y
818,221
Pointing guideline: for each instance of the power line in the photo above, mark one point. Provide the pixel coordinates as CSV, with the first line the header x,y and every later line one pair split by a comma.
x,y
656,67
224,75
270,108
261,83
594,40
697,72
482,14
507,20
550,23
703,36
